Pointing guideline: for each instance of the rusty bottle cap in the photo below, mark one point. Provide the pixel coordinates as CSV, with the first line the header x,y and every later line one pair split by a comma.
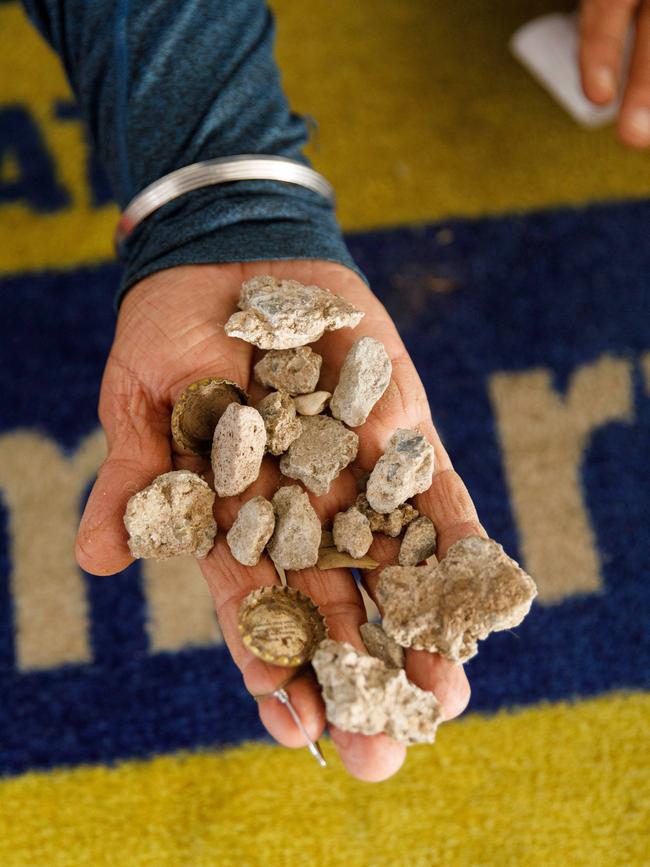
x,y
281,625
197,410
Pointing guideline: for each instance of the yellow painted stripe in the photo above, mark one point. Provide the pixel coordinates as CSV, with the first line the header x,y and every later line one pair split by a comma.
x,y
554,785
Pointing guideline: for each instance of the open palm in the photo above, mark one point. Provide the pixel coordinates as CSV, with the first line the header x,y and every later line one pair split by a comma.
x,y
170,333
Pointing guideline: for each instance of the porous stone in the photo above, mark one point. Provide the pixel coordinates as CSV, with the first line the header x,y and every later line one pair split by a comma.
x,y
362,695
237,449
312,404
447,607
363,379
284,314
172,517
351,532
404,470
280,420
382,646
295,542
419,542
390,524
322,450
295,371
251,530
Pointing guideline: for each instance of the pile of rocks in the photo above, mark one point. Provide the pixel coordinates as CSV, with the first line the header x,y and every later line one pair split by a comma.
x,y
443,608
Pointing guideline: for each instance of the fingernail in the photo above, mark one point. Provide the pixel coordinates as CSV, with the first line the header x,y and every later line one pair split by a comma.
x,y
605,80
637,123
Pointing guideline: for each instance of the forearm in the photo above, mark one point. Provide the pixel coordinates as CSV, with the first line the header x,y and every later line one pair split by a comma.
x,y
164,84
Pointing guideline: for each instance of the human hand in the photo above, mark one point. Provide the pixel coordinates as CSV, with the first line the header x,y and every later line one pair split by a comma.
x,y
170,333
603,29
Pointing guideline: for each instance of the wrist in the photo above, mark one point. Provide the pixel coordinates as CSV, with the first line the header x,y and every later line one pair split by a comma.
x,y
250,221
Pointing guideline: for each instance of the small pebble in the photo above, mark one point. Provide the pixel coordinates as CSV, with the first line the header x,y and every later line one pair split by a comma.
x,y
351,532
251,530
280,420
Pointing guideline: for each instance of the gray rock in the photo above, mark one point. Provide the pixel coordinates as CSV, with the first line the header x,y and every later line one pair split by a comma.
x,y
252,529
382,646
295,371
283,314
172,517
404,470
363,379
280,420
447,607
419,542
362,695
295,542
390,524
351,532
237,449
322,450
312,404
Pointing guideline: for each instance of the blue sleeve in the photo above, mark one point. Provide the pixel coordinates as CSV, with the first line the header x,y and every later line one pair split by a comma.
x,y
166,83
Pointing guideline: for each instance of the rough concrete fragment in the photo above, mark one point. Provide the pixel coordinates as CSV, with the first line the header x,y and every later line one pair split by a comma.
x,y
251,530
283,314
295,542
447,607
363,379
312,404
237,449
172,517
404,470
382,646
390,524
280,420
362,695
419,542
351,532
322,450
295,371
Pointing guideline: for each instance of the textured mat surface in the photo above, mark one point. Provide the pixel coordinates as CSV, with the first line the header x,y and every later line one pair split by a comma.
x,y
125,735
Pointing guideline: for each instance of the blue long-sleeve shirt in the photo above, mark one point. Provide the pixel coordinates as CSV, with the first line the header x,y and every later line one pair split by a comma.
x,y
163,84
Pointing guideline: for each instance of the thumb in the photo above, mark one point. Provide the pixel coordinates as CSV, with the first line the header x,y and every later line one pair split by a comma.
x,y
138,451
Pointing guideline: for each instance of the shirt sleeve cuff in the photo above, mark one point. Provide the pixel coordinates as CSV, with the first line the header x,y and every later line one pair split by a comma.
x,y
245,221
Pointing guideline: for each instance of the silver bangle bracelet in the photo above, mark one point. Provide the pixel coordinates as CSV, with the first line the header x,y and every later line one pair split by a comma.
x,y
244,167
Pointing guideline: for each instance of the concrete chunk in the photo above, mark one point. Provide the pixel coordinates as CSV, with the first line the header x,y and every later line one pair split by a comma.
x,y
392,523
351,532
284,314
295,371
252,529
237,449
404,470
280,420
172,517
419,542
362,695
322,450
363,379
295,542
448,607
382,646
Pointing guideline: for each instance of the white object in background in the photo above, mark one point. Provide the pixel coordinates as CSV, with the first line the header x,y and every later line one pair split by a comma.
x,y
548,48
